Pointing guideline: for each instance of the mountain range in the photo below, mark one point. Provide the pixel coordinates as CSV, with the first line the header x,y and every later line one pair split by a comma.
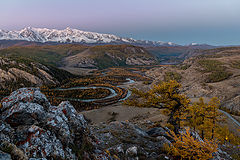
x,y
70,35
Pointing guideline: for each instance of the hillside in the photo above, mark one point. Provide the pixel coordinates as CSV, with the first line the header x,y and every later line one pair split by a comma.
x,y
20,72
76,56
14,43
101,57
47,54
214,73
177,54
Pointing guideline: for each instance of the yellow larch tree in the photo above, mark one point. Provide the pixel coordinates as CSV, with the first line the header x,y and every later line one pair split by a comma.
x,y
189,148
165,95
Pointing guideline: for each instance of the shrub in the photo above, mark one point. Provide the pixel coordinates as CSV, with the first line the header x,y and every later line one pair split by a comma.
x,y
184,67
211,65
218,76
235,64
172,76
218,71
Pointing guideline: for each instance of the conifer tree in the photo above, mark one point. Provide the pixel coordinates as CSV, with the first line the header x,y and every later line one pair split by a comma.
x,y
213,115
188,147
165,95
203,117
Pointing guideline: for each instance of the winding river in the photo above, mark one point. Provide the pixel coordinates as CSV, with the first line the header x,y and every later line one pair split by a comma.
x,y
113,92
229,116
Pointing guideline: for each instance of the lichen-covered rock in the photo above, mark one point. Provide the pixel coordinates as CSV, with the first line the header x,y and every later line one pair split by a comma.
x,y
37,142
32,95
13,150
24,113
39,129
5,156
6,132
66,123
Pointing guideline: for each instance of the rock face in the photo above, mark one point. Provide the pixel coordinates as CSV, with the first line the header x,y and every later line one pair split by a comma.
x,y
39,129
23,73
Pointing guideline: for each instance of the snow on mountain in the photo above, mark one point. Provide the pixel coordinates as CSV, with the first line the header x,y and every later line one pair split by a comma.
x,y
193,44
69,35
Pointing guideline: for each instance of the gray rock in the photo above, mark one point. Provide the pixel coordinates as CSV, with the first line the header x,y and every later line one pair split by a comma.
x,y
155,132
24,113
132,151
24,95
5,156
46,143
163,141
6,132
13,150
125,138
38,129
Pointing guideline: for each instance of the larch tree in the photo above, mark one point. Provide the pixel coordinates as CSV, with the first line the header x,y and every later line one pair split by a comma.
x,y
203,117
165,95
213,115
186,146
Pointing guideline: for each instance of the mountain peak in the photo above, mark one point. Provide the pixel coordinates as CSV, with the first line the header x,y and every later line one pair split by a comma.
x,y
69,35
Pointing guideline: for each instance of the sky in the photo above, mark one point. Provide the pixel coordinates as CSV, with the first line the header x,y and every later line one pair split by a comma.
x,y
215,22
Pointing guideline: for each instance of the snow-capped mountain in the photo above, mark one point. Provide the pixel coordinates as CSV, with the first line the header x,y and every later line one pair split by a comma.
x,y
69,35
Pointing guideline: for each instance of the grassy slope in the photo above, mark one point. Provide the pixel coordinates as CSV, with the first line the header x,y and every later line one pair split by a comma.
x,y
47,54
105,55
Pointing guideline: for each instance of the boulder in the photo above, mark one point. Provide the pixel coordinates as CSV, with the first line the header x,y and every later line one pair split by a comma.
x,y
6,132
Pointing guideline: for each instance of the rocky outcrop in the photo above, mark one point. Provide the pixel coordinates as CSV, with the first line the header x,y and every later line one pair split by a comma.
x,y
127,141
140,61
38,129
21,74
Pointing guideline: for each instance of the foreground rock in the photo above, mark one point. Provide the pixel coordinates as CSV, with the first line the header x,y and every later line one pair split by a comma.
x,y
127,141
38,129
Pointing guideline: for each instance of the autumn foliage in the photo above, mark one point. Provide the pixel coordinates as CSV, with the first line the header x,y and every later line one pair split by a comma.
x,y
187,146
165,95
204,117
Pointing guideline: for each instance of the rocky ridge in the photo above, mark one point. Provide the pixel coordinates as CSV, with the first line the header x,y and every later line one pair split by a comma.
x,y
17,72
